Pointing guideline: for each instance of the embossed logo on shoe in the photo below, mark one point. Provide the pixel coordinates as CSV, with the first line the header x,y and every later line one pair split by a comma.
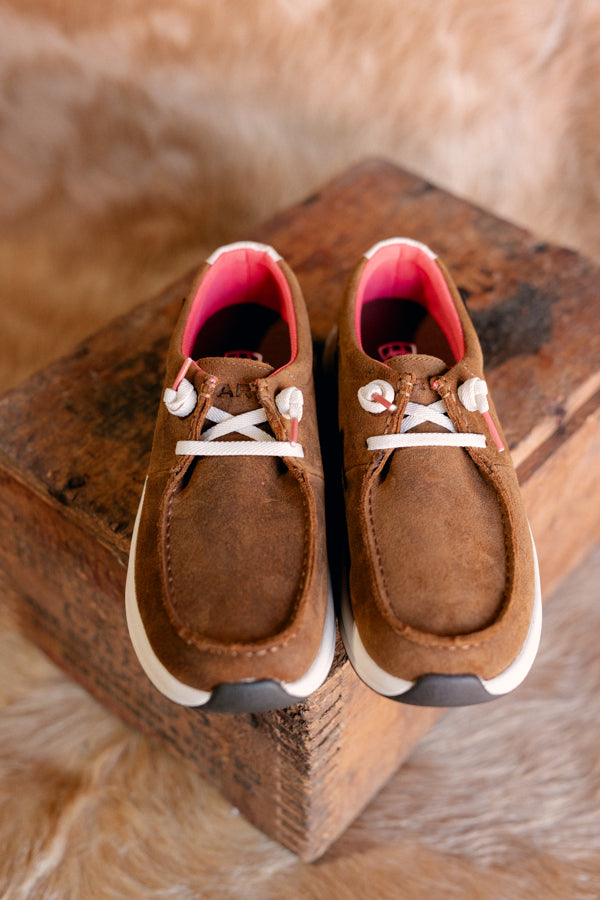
x,y
396,348
234,389
238,389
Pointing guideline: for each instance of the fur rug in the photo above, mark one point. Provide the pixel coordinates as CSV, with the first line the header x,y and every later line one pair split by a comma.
x,y
134,137
497,803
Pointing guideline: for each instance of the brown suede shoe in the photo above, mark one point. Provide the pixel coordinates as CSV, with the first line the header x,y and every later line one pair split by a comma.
x,y
444,604
227,595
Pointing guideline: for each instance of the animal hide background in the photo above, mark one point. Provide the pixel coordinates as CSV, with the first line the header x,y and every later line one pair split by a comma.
x,y
137,136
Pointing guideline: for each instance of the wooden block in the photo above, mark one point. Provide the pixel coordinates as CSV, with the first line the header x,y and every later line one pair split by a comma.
x,y
74,447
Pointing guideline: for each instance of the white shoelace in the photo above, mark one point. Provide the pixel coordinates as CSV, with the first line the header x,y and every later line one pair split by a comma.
x,y
261,443
377,396
181,401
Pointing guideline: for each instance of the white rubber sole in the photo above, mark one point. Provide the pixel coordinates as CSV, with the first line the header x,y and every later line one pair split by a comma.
x,y
186,695
447,688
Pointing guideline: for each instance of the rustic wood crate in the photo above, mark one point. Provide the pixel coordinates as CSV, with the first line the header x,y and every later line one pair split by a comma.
x,y
74,446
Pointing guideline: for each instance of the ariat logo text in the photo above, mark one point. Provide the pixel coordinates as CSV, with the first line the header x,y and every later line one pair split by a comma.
x,y
234,390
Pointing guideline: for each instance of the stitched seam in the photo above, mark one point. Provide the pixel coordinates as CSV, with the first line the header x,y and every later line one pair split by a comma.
x,y
393,418
170,580
244,364
377,551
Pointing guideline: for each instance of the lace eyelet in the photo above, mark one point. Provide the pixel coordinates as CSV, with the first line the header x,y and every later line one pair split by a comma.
x,y
473,395
181,402
377,396
290,403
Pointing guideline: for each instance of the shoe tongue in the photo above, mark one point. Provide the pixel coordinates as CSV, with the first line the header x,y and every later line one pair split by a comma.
x,y
234,369
422,368
418,365
233,393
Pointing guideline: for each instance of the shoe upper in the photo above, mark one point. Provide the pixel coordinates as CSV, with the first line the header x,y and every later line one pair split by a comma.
x,y
441,572
230,568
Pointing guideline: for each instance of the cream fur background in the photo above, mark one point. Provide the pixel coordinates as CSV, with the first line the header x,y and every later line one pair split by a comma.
x,y
134,137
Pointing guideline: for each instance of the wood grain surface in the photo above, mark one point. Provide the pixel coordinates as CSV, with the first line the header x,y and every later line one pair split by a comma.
x,y
75,442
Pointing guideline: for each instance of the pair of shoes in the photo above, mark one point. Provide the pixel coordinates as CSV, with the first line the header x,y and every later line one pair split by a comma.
x,y
228,600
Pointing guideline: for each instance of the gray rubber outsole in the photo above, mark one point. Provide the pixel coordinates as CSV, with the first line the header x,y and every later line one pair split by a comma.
x,y
445,691
249,697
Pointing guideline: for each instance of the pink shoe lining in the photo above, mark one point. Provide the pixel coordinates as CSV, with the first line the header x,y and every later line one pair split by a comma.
x,y
241,276
403,270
